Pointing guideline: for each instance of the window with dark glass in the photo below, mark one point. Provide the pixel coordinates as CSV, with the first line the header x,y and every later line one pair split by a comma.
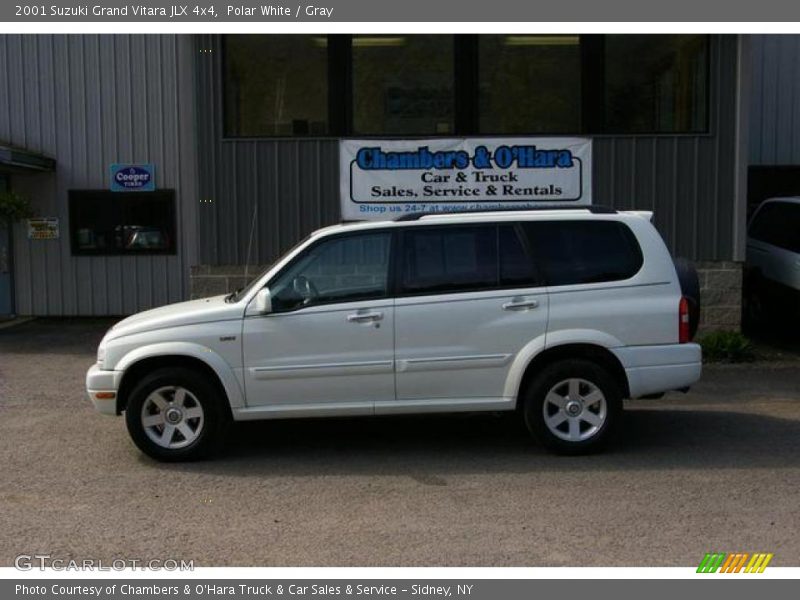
x,y
276,85
442,85
778,224
529,84
655,83
402,84
103,222
516,266
449,259
573,252
343,269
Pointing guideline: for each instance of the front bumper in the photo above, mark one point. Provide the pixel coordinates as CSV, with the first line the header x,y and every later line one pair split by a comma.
x,y
102,386
663,368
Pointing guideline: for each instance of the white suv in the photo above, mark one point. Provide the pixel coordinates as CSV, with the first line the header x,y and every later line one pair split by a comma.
x,y
559,314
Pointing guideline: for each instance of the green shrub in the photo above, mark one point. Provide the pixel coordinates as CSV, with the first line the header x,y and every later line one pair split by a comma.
x,y
13,207
726,346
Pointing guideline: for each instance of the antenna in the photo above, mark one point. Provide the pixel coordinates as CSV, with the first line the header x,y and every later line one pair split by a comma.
x,y
250,242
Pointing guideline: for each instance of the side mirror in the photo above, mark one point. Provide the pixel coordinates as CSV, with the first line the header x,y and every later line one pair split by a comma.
x,y
263,301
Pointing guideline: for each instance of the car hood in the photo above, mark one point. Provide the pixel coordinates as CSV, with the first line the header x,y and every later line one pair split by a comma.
x,y
192,312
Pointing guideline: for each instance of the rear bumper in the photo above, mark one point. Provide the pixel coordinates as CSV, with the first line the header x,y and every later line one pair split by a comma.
x,y
656,369
102,386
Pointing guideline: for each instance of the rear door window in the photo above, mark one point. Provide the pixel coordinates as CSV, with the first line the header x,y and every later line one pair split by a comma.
x,y
516,267
465,258
575,252
449,259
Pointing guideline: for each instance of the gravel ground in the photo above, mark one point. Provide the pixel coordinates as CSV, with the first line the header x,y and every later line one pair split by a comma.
x,y
716,469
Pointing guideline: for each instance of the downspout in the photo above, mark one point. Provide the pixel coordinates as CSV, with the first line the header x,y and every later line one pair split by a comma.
x,y
741,146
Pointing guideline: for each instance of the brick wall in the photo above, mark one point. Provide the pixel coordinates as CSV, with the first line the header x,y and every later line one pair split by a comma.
x,y
720,295
208,280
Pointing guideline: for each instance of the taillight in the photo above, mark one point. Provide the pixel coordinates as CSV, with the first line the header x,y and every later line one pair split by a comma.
x,y
684,336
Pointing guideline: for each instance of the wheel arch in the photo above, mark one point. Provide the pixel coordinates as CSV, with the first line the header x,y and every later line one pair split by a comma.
x,y
577,350
211,364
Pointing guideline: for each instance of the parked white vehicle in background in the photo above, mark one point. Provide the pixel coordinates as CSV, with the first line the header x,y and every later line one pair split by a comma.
x,y
559,313
772,267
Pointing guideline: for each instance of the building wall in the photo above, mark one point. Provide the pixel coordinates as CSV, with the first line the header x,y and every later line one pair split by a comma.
x,y
775,100
292,185
263,195
89,101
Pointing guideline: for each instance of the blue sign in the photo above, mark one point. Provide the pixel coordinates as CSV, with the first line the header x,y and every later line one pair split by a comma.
x,y
132,178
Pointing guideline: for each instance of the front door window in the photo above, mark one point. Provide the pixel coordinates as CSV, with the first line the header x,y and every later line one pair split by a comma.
x,y
345,269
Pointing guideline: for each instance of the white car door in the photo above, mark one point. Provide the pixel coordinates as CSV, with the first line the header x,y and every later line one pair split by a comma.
x,y
327,345
467,303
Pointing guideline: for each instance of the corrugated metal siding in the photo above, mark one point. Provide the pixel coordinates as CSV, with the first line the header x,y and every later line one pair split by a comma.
x,y
688,180
90,101
285,188
775,100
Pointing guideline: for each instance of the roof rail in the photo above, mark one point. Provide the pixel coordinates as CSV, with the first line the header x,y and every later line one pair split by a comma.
x,y
592,208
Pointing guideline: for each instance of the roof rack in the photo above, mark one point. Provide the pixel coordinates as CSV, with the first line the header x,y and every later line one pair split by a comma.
x,y
592,208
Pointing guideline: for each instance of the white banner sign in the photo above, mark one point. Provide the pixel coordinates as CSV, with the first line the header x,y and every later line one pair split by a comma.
x,y
383,179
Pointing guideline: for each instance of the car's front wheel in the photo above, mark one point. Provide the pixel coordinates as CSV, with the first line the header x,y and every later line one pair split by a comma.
x,y
573,407
176,414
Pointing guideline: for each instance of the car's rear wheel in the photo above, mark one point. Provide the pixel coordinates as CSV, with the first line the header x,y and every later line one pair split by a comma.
x,y
176,414
573,407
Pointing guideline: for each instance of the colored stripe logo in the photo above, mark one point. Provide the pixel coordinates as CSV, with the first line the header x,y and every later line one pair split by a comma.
x,y
736,562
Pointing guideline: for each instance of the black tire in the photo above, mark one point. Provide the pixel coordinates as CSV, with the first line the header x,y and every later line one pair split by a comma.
x,y
550,377
690,288
209,427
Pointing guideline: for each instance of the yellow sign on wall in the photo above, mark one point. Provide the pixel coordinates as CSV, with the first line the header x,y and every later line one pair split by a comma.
x,y
43,228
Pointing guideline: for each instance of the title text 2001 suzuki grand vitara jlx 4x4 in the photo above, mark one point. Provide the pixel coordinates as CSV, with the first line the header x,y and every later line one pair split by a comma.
x,y
558,313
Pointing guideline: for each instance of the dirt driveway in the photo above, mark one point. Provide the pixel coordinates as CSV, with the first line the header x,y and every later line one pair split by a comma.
x,y
716,469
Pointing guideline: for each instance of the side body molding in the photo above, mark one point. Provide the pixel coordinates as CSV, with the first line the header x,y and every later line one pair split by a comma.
x,y
223,370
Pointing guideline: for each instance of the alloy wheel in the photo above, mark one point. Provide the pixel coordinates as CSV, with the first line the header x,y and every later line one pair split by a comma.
x,y
172,417
574,410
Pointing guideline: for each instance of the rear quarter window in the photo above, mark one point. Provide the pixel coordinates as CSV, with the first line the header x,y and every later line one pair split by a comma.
x,y
575,252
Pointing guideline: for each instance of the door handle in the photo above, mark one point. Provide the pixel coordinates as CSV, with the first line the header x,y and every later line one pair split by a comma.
x,y
364,317
520,304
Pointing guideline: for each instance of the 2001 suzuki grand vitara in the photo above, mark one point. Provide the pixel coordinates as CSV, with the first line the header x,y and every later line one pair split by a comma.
x,y
560,313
